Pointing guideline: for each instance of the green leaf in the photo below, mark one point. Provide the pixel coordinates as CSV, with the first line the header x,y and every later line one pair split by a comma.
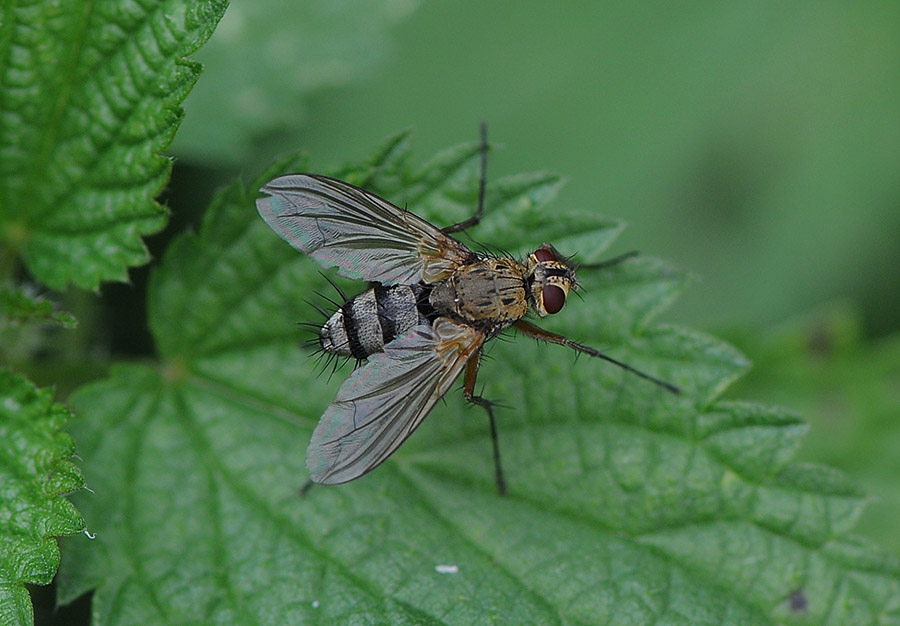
x,y
846,386
90,100
627,504
260,73
24,316
35,475
19,307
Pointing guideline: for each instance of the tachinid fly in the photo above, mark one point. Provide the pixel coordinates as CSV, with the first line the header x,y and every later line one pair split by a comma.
x,y
433,306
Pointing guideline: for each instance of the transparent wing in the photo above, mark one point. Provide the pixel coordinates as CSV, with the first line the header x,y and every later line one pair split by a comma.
x,y
364,236
383,402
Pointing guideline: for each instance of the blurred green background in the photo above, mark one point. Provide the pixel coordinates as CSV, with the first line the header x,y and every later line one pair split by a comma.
x,y
754,144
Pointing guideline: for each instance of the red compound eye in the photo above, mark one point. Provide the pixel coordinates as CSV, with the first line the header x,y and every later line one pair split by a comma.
x,y
554,298
543,254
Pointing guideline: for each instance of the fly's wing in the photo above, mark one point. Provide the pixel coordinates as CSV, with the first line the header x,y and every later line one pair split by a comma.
x,y
383,402
364,236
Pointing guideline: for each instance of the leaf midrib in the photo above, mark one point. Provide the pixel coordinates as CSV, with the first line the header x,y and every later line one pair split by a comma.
x,y
53,124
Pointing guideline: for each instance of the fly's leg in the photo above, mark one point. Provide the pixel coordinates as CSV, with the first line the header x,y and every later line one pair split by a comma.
x,y
609,262
482,183
527,328
469,394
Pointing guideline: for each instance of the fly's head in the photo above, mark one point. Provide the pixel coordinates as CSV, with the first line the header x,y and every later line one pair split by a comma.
x,y
550,278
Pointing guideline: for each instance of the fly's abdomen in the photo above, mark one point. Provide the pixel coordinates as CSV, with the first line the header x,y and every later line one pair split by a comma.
x,y
365,323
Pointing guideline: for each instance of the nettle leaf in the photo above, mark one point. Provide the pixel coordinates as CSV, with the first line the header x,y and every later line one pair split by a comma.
x,y
19,307
35,476
332,45
627,504
90,99
846,386
24,318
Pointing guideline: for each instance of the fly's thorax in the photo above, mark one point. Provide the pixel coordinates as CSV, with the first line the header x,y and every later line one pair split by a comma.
x,y
550,278
366,322
491,290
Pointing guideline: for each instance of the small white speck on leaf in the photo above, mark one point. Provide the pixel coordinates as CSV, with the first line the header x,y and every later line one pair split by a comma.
x,y
446,569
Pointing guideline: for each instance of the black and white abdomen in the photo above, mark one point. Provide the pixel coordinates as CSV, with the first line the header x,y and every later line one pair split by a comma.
x,y
368,321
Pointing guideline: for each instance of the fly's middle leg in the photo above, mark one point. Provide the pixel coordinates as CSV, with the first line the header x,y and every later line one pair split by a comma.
x,y
469,394
482,184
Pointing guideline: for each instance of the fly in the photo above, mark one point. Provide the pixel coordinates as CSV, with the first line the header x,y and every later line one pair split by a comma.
x,y
425,321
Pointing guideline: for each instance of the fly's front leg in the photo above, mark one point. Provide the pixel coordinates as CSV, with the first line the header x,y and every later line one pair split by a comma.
x,y
482,183
469,394
527,328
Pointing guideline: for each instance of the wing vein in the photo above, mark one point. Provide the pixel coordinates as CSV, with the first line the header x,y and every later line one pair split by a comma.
x,y
385,400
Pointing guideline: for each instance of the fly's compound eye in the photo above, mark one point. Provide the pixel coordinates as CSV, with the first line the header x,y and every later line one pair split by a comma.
x,y
553,298
543,255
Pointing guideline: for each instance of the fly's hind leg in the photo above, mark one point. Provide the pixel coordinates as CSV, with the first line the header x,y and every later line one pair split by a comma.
x,y
482,183
469,394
